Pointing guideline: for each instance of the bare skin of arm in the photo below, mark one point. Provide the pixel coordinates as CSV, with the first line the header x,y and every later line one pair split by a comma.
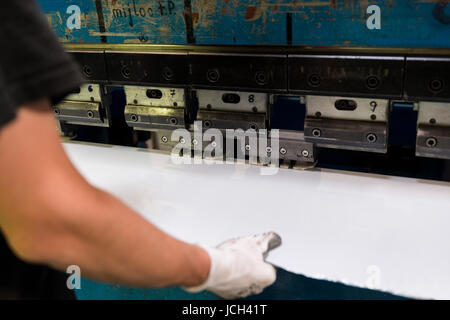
x,y
50,214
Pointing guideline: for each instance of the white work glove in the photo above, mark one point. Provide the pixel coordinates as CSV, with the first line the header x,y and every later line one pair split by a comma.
x,y
238,268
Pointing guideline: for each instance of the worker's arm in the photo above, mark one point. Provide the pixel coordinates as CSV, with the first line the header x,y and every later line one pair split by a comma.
x,y
50,214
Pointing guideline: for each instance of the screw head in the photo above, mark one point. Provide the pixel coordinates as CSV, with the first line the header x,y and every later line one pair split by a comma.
x,y
214,144
431,142
134,117
283,151
87,70
164,139
268,149
194,142
261,78
372,82
213,75
316,132
182,141
247,147
371,137
305,153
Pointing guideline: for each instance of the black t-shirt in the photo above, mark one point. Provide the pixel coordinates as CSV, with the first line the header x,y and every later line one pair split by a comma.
x,y
33,65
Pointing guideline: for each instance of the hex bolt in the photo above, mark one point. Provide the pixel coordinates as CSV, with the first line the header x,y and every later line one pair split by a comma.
x,y
261,78
431,142
126,71
212,75
372,82
283,151
168,73
436,85
316,132
305,153
164,139
90,114
371,137
134,118
314,80
87,70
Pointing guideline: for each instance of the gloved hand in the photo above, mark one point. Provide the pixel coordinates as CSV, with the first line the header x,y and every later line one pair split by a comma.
x,y
238,268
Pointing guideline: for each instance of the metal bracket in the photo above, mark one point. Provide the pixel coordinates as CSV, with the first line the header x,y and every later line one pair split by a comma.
x,y
294,147
232,101
347,123
154,107
88,106
231,120
433,130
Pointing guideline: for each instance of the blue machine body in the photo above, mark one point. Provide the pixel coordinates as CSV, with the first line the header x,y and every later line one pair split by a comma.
x,y
406,23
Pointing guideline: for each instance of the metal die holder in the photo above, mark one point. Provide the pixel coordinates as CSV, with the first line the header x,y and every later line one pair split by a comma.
x,y
154,108
347,123
254,102
84,107
292,146
231,120
433,130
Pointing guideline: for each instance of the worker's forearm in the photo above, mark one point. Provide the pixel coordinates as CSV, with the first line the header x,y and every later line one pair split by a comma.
x,y
50,214
112,243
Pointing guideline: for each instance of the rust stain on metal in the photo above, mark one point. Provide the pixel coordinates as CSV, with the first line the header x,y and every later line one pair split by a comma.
x,y
252,13
205,11
363,4
194,17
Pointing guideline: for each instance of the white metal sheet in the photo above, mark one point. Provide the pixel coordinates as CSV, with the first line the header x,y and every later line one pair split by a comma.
x,y
386,232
